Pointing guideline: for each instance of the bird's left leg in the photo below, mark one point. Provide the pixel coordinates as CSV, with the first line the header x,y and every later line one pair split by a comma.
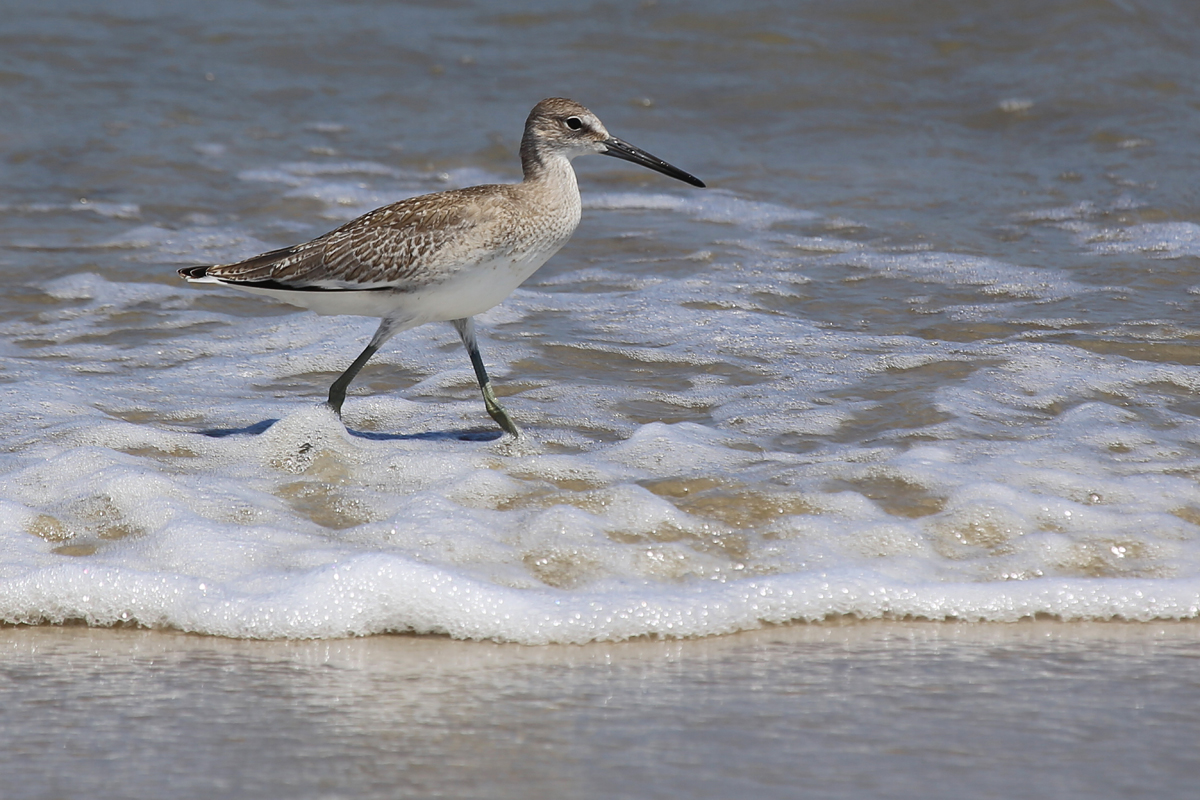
x,y
466,330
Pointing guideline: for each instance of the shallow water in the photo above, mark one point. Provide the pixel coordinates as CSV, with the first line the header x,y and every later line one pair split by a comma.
x,y
924,349
886,710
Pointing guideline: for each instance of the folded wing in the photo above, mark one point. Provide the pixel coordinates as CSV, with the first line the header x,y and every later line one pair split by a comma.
x,y
401,247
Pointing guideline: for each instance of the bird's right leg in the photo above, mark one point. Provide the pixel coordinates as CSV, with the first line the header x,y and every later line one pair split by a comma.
x,y
388,328
337,392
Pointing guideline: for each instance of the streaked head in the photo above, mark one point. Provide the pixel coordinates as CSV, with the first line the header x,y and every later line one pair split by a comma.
x,y
563,127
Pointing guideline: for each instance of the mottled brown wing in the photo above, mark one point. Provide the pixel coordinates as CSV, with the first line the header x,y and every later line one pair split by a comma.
x,y
404,246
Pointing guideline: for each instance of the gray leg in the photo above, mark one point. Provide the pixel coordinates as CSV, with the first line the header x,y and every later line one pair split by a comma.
x,y
337,392
387,329
466,330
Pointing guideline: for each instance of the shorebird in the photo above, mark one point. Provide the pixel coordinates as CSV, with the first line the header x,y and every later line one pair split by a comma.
x,y
445,256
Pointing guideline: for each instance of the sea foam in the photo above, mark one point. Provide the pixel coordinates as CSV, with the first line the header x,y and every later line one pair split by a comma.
x,y
702,454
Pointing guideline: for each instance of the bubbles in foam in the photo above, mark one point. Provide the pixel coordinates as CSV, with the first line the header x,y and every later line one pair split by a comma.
x,y
703,453
712,206
99,207
346,188
988,275
1159,239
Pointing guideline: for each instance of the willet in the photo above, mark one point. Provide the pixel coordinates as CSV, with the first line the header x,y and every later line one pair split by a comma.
x,y
445,256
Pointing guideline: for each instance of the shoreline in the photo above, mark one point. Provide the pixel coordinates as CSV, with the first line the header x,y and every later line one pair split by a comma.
x,y
866,709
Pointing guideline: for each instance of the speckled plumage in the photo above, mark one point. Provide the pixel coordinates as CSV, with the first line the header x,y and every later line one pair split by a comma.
x,y
415,243
443,256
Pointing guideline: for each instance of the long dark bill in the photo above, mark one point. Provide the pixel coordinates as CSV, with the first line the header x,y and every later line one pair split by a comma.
x,y
627,152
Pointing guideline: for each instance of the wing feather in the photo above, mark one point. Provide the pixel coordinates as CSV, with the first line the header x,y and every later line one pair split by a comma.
x,y
401,247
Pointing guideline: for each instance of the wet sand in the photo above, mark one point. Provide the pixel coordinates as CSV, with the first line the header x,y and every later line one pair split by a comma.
x,y
881,709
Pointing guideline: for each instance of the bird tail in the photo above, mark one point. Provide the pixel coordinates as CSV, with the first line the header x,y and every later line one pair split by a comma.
x,y
194,273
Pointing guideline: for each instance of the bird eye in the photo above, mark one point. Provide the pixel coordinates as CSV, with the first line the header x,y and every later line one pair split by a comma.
x,y
574,123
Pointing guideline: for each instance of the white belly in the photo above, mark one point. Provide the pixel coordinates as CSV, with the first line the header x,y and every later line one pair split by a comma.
x,y
470,291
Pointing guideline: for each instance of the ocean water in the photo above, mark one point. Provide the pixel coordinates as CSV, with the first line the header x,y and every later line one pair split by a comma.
x,y
926,348
878,710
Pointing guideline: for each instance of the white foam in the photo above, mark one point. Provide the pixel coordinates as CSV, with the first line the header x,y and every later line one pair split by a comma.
x,y
700,457
1159,239
1166,240
712,206
992,277
98,207
351,188
296,171
327,127
1015,105
196,245
373,593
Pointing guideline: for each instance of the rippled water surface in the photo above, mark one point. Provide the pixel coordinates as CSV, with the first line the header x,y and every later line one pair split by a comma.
x,y
886,710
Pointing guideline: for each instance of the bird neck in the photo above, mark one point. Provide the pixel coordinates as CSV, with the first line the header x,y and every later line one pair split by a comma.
x,y
547,167
537,156
533,156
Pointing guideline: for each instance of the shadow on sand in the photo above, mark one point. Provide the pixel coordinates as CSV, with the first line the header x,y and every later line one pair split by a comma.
x,y
432,436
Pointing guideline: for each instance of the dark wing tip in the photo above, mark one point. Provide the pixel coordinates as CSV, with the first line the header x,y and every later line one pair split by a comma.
x,y
189,273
